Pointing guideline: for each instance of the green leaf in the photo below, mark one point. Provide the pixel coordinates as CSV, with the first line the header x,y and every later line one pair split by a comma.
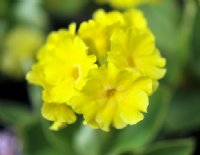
x,y
172,29
3,27
30,13
35,96
66,7
34,141
172,147
3,8
14,113
196,44
163,19
184,112
50,151
62,139
134,138
90,138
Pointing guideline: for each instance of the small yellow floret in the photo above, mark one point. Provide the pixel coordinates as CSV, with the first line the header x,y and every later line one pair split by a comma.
x,y
136,49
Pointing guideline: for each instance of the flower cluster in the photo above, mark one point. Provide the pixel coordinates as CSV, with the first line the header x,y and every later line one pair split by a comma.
x,y
126,3
17,56
105,71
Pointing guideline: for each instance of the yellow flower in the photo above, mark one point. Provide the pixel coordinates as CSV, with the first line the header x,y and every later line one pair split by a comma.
x,y
126,3
19,49
112,91
62,66
61,114
136,49
96,32
113,97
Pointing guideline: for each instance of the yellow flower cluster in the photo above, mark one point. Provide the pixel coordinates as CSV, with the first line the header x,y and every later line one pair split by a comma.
x,y
106,71
126,3
19,49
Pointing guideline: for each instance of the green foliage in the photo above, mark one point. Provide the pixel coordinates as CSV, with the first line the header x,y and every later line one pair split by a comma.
x,y
196,44
89,138
35,95
14,114
29,13
184,112
3,7
173,34
134,138
172,147
65,7
34,141
62,140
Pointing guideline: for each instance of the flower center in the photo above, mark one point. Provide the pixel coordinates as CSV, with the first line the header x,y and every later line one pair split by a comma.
x,y
130,61
110,92
75,73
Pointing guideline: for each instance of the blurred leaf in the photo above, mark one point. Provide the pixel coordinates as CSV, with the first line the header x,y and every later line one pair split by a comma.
x,y
66,8
14,113
3,8
196,44
134,138
62,139
35,96
184,112
172,29
172,147
163,19
34,141
29,12
50,151
90,138
3,26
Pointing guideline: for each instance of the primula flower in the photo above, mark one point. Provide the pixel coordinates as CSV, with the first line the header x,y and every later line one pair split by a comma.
x,y
126,3
136,49
96,32
111,91
62,68
113,97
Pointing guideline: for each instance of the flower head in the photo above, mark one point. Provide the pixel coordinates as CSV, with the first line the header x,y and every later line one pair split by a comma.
x,y
113,97
112,91
136,49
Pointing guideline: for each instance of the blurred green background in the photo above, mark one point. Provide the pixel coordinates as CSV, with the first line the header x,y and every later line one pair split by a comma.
x,y
172,124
